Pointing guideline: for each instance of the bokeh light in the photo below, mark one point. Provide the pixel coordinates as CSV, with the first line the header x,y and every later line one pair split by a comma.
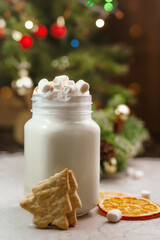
x,y
89,2
85,31
7,14
60,21
74,43
135,30
29,24
119,15
100,23
2,23
16,36
109,1
108,7
135,88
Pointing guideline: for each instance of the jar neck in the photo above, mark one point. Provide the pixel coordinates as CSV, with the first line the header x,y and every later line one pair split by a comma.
x,y
62,117
76,108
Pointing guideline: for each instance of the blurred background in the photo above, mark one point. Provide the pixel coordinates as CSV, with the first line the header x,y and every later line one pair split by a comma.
x,y
113,45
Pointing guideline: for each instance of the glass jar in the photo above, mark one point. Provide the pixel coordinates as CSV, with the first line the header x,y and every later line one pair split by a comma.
x,y
62,134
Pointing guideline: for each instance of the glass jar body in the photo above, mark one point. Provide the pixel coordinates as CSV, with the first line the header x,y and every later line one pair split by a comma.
x,y
57,141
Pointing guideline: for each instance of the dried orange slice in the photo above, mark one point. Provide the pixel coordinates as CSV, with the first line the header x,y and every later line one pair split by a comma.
x,y
132,208
104,195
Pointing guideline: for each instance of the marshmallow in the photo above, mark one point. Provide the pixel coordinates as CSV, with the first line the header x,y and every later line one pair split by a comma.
x,y
61,81
146,194
70,89
114,215
70,82
57,84
138,174
44,85
130,171
35,90
82,86
63,78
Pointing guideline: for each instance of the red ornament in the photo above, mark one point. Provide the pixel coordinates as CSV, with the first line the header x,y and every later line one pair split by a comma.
x,y
41,32
1,32
26,42
58,31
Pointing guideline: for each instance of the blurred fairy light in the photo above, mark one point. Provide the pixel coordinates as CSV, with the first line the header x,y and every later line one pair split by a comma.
x,y
16,36
55,63
7,14
29,24
119,15
109,1
74,43
60,21
60,64
135,88
100,23
135,30
90,3
64,59
108,7
2,23
85,32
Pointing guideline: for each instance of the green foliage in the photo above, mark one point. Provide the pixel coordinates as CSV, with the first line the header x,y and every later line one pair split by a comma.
x,y
129,142
95,61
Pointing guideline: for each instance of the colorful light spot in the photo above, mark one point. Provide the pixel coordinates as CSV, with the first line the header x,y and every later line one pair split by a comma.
x,y
100,23
74,43
108,7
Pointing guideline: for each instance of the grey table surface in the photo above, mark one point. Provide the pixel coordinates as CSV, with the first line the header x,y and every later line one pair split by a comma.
x,y
16,224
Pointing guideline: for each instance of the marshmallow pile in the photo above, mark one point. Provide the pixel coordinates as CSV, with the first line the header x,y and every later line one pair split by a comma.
x,y
61,86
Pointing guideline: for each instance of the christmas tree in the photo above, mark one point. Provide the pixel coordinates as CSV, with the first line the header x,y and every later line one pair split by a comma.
x,y
47,38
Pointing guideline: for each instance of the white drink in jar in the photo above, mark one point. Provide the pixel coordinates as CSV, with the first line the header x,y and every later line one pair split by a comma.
x,y
61,134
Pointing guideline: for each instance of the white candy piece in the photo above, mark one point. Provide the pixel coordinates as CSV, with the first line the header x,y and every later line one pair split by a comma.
x,y
42,82
82,86
70,82
114,215
130,171
62,78
146,194
138,174
44,85
57,84
70,89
